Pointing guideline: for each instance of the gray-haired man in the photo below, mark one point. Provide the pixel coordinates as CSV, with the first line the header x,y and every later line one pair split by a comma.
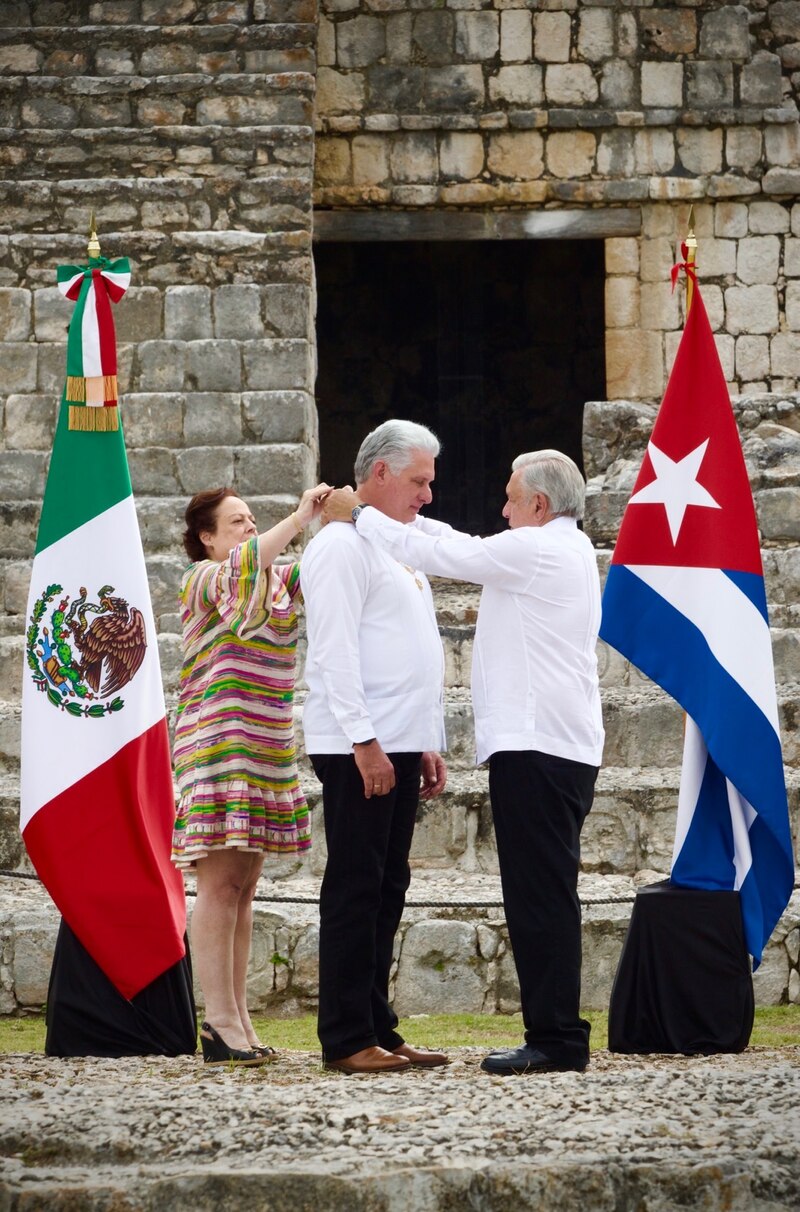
x,y
537,720
373,724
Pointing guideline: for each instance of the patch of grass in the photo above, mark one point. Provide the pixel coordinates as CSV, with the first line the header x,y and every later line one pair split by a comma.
x,y
774,1027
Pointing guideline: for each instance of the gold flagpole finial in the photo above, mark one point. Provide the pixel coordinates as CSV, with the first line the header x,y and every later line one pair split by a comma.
x,y
93,249
691,256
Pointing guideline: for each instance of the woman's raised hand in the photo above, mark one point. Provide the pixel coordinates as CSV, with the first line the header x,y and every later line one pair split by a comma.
x,y
311,504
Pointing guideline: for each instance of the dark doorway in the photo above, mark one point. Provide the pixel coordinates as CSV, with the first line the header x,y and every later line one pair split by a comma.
x,y
496,345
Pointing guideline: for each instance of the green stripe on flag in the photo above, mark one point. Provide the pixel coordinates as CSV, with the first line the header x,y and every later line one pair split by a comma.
x,y
88,474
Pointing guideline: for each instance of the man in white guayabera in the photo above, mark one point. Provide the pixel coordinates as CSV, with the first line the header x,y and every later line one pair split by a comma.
x,y
537,720
373,724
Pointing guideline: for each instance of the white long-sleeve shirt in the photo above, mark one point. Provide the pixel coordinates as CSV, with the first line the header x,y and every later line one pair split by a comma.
x,y
375,666
534,669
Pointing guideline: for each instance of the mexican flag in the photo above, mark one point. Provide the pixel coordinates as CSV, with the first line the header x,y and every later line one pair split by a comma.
x,y
97,801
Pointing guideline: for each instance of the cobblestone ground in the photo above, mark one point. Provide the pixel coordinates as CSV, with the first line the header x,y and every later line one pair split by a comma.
x,y
648,1134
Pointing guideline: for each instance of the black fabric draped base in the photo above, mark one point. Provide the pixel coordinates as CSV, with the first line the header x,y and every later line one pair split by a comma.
x,y
683,983
88,1016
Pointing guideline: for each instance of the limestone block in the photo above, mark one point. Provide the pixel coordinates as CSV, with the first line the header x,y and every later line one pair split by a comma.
x,y
776,508
187,313
757,259
461,155
657,259
360,41
794,987
51,314
654,151
782,145
771,981
761,80
792,944
19,366
153,471
622,255
622,302
725,349
715,306
730,220
153,419
138,315
785,354
439,970
15,313
781,181
201,466
413,157
570,84
213,365
394,89
552,37
305,962
49,113
22,474
30,422
516,36
433,36
725,34
603,935
287,310
339,92
20,60
520,85
752,358
516,154
278,416
277,364
52,367
709,83
793,311
596,34
743,147
617,84
452,89
615,156
672,31
634,364
161,366
212,419
326,42
659,306
700,151
34,944
332,161
478,35
609,840
752,309
662,84
266,470
237,311
571,153
768,217
791,258
717,257
370,159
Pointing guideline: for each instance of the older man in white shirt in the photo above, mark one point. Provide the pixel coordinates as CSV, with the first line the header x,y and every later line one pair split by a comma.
x,y
373,724
537,719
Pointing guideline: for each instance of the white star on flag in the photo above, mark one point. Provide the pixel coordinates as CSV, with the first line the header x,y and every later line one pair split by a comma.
x,y
675,486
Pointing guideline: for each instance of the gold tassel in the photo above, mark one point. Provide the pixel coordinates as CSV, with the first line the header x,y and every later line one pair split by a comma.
x,y
110,387
76,388
93,420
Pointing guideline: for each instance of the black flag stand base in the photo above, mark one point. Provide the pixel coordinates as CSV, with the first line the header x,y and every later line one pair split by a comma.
x,y
683,983
88,1016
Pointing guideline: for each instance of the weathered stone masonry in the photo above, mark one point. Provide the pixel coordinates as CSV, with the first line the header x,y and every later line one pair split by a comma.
x,y
213,140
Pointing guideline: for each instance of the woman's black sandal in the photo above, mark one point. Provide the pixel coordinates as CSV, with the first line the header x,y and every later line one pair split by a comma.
x,y
217,1052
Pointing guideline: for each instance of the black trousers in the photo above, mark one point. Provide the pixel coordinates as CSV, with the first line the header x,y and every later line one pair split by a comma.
x,y
539,803
361,901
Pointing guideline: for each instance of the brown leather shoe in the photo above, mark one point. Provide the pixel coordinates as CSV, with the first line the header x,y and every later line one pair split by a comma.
x,y
369,1060
421,1057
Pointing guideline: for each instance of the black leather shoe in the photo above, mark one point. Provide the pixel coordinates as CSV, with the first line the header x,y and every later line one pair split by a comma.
x,y
527,1060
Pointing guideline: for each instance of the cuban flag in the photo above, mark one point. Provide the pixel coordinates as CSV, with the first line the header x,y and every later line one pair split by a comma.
x,y
685,603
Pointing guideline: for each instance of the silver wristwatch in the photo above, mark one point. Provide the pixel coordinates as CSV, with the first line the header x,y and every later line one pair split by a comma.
x,y
356,512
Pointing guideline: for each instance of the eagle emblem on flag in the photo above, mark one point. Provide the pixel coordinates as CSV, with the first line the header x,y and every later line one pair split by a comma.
x,y
77,661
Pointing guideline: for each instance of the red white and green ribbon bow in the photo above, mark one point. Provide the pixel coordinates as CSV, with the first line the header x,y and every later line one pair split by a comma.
x,y
91,388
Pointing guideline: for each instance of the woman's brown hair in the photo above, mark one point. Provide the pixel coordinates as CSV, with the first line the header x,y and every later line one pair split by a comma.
x,y
201,514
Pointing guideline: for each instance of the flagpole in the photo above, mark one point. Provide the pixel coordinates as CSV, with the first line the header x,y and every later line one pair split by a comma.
x,y
93,248
691,256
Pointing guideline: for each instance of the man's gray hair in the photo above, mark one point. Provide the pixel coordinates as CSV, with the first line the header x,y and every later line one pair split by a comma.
x,y
394,442
554,474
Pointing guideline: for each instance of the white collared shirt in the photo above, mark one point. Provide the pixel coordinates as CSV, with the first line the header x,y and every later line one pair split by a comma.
x,y
534,668
375,666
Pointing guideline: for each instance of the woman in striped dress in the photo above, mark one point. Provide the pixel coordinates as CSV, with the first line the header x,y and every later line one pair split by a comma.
x,y
235,757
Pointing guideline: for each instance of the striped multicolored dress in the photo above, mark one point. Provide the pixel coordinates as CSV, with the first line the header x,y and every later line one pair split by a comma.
x,y
235,757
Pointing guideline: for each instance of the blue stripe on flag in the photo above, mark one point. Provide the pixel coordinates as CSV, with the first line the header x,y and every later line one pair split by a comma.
x,y
706,857
661,641
752,586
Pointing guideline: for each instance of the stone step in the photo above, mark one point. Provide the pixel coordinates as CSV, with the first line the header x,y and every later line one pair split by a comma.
x,y
451,950
25,14
630,829
155,50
